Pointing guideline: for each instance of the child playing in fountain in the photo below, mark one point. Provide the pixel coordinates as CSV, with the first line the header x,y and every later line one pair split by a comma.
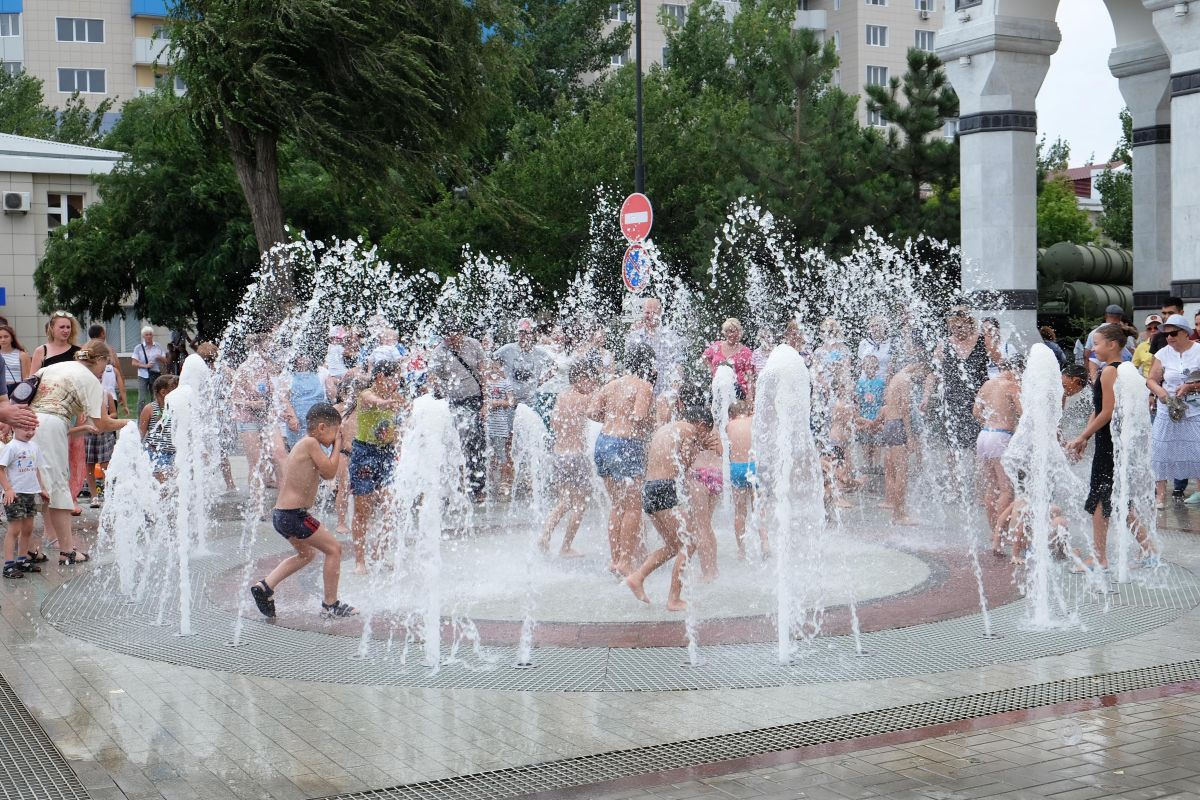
x,y
997,408
499,407
672,450
895,436
869,389
572,461
742,477
841,427
307,465
22,484
1012,523
379,409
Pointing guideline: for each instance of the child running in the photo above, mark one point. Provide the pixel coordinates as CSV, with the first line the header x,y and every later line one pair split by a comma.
x,y
895,436
672,450
572,464
307,466
742,476
22,484
997,408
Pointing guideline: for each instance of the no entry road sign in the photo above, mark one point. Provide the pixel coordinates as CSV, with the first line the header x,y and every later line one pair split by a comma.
x,y
637,217
635,268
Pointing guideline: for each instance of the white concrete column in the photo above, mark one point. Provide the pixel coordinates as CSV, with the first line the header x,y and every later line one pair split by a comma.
x,y
1178,25
997,65
1143,72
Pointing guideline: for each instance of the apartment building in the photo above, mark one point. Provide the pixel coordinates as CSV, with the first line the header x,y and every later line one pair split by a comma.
x,y
872,37
101,48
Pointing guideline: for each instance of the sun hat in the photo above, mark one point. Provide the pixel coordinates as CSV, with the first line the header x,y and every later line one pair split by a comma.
x,y
1178,321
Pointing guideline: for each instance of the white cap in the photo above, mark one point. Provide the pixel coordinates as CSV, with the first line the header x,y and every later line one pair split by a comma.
x,y
1178,321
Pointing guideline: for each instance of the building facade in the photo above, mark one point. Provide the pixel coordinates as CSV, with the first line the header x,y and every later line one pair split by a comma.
x,y
43,185
101,48
872,37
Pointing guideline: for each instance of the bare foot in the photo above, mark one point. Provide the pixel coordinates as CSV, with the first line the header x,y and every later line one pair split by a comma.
x,y
766,554
741,554
676,605
708,578
635,585
544,544
360,569
570,553
342,530
997,552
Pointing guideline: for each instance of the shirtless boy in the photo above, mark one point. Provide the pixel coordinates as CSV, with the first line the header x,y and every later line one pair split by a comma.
x,y
997,408
742,477
307,466
895,436
672,451
624,406
572,467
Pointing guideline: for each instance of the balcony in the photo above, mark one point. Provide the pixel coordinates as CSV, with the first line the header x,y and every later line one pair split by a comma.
x,y
150,51
150,8
813,20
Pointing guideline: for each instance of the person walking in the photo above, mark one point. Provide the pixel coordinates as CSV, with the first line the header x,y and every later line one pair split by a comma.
x,y
1175,381
149,359
98,447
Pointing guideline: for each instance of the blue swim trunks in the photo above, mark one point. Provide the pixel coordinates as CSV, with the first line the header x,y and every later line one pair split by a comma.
x,y
742,475
371,467
294,523
620,459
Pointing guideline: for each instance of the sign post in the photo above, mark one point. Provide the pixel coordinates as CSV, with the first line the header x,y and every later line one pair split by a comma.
x,y
635,268
636,219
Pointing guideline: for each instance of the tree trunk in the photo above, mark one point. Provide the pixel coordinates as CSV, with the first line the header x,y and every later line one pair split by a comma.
x,y
256,162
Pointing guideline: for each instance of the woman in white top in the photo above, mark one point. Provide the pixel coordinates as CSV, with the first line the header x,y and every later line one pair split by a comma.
x,y
16,360
68,389
1175,380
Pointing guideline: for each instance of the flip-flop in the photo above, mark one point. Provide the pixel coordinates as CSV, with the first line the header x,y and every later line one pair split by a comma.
x,y
263,595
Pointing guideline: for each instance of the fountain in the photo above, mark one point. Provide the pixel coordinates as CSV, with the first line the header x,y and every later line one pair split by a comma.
x,y
1133,516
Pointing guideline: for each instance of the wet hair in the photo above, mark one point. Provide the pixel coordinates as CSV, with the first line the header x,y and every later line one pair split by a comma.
x,y
94,350
1014,363
639,360
12,335
1076,372
1048,333
1112,332
385,369
95,331
322,412
580,371
696,405
165,383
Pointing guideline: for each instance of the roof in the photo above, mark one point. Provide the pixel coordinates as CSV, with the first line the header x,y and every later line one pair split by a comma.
x,y
44,157
1078,173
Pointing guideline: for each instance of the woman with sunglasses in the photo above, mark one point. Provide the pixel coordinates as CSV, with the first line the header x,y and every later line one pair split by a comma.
x,y
1143,354
1175,381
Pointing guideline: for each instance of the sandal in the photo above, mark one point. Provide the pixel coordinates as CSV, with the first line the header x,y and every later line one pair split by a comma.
x,y
28,566
263,595
72,558
337,609
37,557
13,571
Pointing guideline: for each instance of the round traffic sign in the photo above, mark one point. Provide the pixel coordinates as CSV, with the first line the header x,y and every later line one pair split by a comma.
x,y
635,268
637,217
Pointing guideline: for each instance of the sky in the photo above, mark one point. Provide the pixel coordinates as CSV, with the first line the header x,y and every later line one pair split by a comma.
x,y
1080,100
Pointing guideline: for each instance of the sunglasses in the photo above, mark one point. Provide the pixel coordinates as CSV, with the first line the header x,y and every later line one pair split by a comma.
x,y
1171,334
1153,326
63,314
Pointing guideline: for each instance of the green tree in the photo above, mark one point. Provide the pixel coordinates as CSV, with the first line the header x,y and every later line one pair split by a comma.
x,y
23,112
1059,217
1051,159
364,88
1116,189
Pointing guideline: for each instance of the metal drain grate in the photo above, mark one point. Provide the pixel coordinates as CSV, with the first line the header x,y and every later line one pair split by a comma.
x,y
585,770
31,768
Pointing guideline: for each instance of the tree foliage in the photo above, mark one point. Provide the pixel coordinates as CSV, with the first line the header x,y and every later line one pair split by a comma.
x,y
1059,217
23,112
1116,189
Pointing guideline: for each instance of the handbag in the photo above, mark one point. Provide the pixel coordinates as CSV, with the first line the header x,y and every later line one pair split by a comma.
x,y
24,392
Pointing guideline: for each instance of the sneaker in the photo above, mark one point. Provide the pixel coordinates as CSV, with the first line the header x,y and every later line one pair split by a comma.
x,y
95,503
1194,500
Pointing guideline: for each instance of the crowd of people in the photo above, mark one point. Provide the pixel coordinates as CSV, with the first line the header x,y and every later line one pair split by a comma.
x,y
337,410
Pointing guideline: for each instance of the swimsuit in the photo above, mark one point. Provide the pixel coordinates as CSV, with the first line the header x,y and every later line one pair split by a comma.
x,y
1100,486
893,434
572,471
371,467
620,459
991,443
961,379
659,496
742,474
710,478
294,523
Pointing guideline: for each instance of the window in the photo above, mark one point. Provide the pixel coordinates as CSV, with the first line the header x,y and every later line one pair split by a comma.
x,y
674,11
10,24
72,29
180,86
666,55
959,5
837,40
924,5
63,207
950,129
620,59
877,76
877,2
837,78
13,67
617,12
877,35
837,5
89,81
925,41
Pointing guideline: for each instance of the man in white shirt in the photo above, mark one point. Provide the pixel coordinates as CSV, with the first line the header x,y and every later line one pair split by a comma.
x,y
876,343
149,359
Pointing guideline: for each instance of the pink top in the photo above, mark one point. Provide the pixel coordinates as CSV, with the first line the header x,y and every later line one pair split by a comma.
x,y
742,363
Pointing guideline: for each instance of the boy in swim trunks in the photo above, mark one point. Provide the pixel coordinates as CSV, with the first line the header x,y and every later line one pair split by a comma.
x,y
895,435
572,465
742,477
307,466
997,408
672,450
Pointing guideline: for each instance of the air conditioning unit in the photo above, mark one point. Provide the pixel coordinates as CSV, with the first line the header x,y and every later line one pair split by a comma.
x,y
16,202
924,13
